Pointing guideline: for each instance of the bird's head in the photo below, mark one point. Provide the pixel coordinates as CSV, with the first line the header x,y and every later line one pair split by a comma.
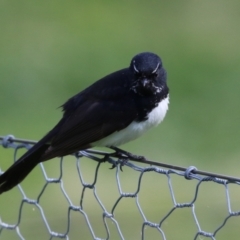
x,y
149,75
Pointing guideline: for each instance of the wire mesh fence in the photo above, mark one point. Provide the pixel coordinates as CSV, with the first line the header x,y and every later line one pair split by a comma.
x,y
144,201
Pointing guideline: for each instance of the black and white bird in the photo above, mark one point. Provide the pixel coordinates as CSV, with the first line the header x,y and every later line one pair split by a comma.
x,y
112,111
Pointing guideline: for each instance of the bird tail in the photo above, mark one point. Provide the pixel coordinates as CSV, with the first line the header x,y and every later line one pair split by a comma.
x,y
22,167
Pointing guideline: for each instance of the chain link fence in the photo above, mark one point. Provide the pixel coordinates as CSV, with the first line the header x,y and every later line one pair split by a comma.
x,y
86,200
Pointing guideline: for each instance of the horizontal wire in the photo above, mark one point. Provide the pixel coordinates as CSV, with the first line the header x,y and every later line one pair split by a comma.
x,y
146,161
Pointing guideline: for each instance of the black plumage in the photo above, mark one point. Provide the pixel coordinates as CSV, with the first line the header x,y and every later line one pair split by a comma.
x,y
107,106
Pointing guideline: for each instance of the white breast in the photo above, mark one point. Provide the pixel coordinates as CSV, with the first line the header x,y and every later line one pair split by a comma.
x,y
136,129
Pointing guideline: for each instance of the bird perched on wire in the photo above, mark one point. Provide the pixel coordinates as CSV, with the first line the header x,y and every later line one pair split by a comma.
x,y
112,111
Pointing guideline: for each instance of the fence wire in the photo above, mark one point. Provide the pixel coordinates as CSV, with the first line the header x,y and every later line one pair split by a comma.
x,y
114,227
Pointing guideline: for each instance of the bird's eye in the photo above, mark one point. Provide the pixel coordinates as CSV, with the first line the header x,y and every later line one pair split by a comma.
x,y
155,74
135,68
137,74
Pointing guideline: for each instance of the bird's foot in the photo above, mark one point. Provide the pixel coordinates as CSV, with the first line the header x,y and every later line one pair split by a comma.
x,y
121,162
124,154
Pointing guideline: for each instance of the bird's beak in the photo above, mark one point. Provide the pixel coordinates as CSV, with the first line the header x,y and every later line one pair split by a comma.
x,y
144,82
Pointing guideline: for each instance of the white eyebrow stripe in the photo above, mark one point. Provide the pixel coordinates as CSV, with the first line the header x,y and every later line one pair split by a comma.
x,y
135,69
156,68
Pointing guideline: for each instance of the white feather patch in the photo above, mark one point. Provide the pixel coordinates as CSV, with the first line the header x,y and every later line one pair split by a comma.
x,y
136,129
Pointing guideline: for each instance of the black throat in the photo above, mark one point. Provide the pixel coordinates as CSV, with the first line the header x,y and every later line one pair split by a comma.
x,y
146,102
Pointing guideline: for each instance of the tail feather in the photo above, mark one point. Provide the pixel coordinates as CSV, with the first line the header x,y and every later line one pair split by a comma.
x,y
22,167
25,164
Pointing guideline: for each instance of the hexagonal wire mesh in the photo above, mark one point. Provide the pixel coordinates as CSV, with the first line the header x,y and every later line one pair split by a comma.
x,y
191,173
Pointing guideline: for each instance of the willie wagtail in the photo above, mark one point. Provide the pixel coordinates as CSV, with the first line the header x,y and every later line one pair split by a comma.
x,y
112,111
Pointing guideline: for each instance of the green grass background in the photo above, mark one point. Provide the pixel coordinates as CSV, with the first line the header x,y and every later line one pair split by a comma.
x,y
50,50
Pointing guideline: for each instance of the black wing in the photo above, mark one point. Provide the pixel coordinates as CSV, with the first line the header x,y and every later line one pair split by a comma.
x,y
92,115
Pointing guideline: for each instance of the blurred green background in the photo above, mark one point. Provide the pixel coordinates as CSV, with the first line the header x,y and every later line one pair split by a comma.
x,y
50,50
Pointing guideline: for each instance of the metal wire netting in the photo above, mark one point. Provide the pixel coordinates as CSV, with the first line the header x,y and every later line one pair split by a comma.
x,y
156,200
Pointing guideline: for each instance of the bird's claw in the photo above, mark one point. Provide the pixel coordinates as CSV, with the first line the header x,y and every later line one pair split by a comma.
x,y
113,166
124,154
121,163
123,157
